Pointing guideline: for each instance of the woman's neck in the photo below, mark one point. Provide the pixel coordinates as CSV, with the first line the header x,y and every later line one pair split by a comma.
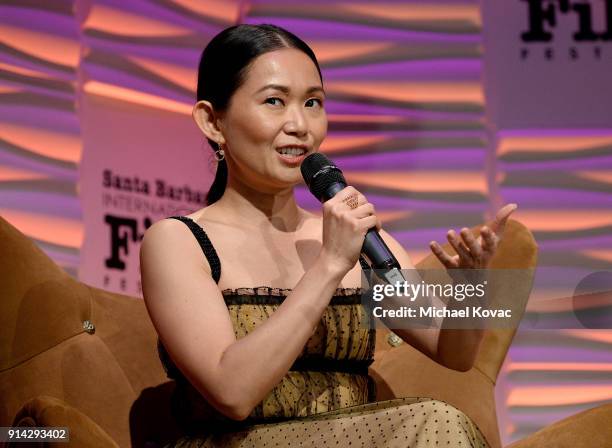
x,y
248,207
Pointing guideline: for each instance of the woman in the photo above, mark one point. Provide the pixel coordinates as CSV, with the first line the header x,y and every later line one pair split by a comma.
x,y
284,364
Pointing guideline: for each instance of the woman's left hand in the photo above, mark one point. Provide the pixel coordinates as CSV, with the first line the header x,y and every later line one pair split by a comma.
x,y
474,253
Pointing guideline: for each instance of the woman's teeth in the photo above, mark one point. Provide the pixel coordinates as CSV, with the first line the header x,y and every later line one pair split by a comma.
x,y
292,151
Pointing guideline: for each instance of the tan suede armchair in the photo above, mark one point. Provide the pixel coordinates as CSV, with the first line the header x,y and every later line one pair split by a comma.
x,y
107,385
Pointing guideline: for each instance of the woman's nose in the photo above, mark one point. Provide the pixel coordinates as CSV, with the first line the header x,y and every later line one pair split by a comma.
x,y
296,122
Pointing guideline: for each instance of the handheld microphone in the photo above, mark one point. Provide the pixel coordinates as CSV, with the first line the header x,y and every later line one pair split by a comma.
x,y
324,180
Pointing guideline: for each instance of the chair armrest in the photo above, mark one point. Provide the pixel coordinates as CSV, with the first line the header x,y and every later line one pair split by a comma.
x,y
586,429
50,411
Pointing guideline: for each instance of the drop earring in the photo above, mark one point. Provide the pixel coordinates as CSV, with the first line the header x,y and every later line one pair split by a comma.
x,y
219,153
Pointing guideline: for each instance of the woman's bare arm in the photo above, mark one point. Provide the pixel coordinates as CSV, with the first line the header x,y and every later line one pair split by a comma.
x,y
190,315
455,349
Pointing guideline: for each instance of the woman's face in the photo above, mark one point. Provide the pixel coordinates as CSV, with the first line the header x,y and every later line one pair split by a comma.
x,y
279,104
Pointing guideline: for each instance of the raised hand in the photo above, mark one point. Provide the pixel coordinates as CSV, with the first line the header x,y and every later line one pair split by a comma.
x,y
474,253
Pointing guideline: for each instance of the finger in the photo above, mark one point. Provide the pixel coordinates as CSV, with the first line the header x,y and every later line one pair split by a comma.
x,y
362,199
350,202
345,194
489,239
441,255
471,243
355,200
459,247
363,210
502,216
445,259
367,223
378,224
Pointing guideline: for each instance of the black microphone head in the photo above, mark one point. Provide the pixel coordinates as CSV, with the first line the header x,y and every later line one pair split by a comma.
x,y
319,173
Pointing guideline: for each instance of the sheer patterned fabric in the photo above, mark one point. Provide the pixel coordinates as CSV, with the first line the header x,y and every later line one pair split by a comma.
x,y
329,374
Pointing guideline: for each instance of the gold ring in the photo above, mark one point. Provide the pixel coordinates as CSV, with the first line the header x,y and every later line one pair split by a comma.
x,y
352,201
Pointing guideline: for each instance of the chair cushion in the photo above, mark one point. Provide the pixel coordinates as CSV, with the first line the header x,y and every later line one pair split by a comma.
x,y
40,305
51,412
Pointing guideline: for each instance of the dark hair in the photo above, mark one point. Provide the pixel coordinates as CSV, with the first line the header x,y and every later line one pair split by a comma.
x,y
223,68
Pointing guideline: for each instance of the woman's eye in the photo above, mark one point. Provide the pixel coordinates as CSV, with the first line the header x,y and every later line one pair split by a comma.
x,y
317,100
268,100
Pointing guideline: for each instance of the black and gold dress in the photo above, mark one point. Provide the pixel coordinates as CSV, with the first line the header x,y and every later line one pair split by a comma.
x,y
326,398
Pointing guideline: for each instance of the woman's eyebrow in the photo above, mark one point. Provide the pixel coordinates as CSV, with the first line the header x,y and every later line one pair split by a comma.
x,y
286,89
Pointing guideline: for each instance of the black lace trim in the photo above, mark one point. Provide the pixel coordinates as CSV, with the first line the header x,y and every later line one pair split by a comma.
x,y
354,366
265,295
205,244
271,291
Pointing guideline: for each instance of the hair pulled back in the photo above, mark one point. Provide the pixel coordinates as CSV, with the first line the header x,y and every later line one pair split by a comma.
x,y
223,68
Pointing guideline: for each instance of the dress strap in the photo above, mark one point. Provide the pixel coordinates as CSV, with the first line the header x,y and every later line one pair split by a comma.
x,y
209,251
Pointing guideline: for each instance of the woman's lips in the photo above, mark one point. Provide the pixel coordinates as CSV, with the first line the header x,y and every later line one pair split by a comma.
x,y
290,159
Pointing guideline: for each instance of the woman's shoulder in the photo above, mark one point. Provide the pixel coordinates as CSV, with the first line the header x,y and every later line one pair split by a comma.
x,y
170,242
165,233
169,232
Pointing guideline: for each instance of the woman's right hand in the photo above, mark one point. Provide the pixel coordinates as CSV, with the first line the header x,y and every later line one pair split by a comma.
x,y
344,228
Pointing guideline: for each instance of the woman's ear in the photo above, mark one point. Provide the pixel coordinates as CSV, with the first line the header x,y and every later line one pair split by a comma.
x,y
208,122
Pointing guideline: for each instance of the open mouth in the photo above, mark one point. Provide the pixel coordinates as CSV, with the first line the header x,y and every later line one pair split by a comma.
x,y
291,152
